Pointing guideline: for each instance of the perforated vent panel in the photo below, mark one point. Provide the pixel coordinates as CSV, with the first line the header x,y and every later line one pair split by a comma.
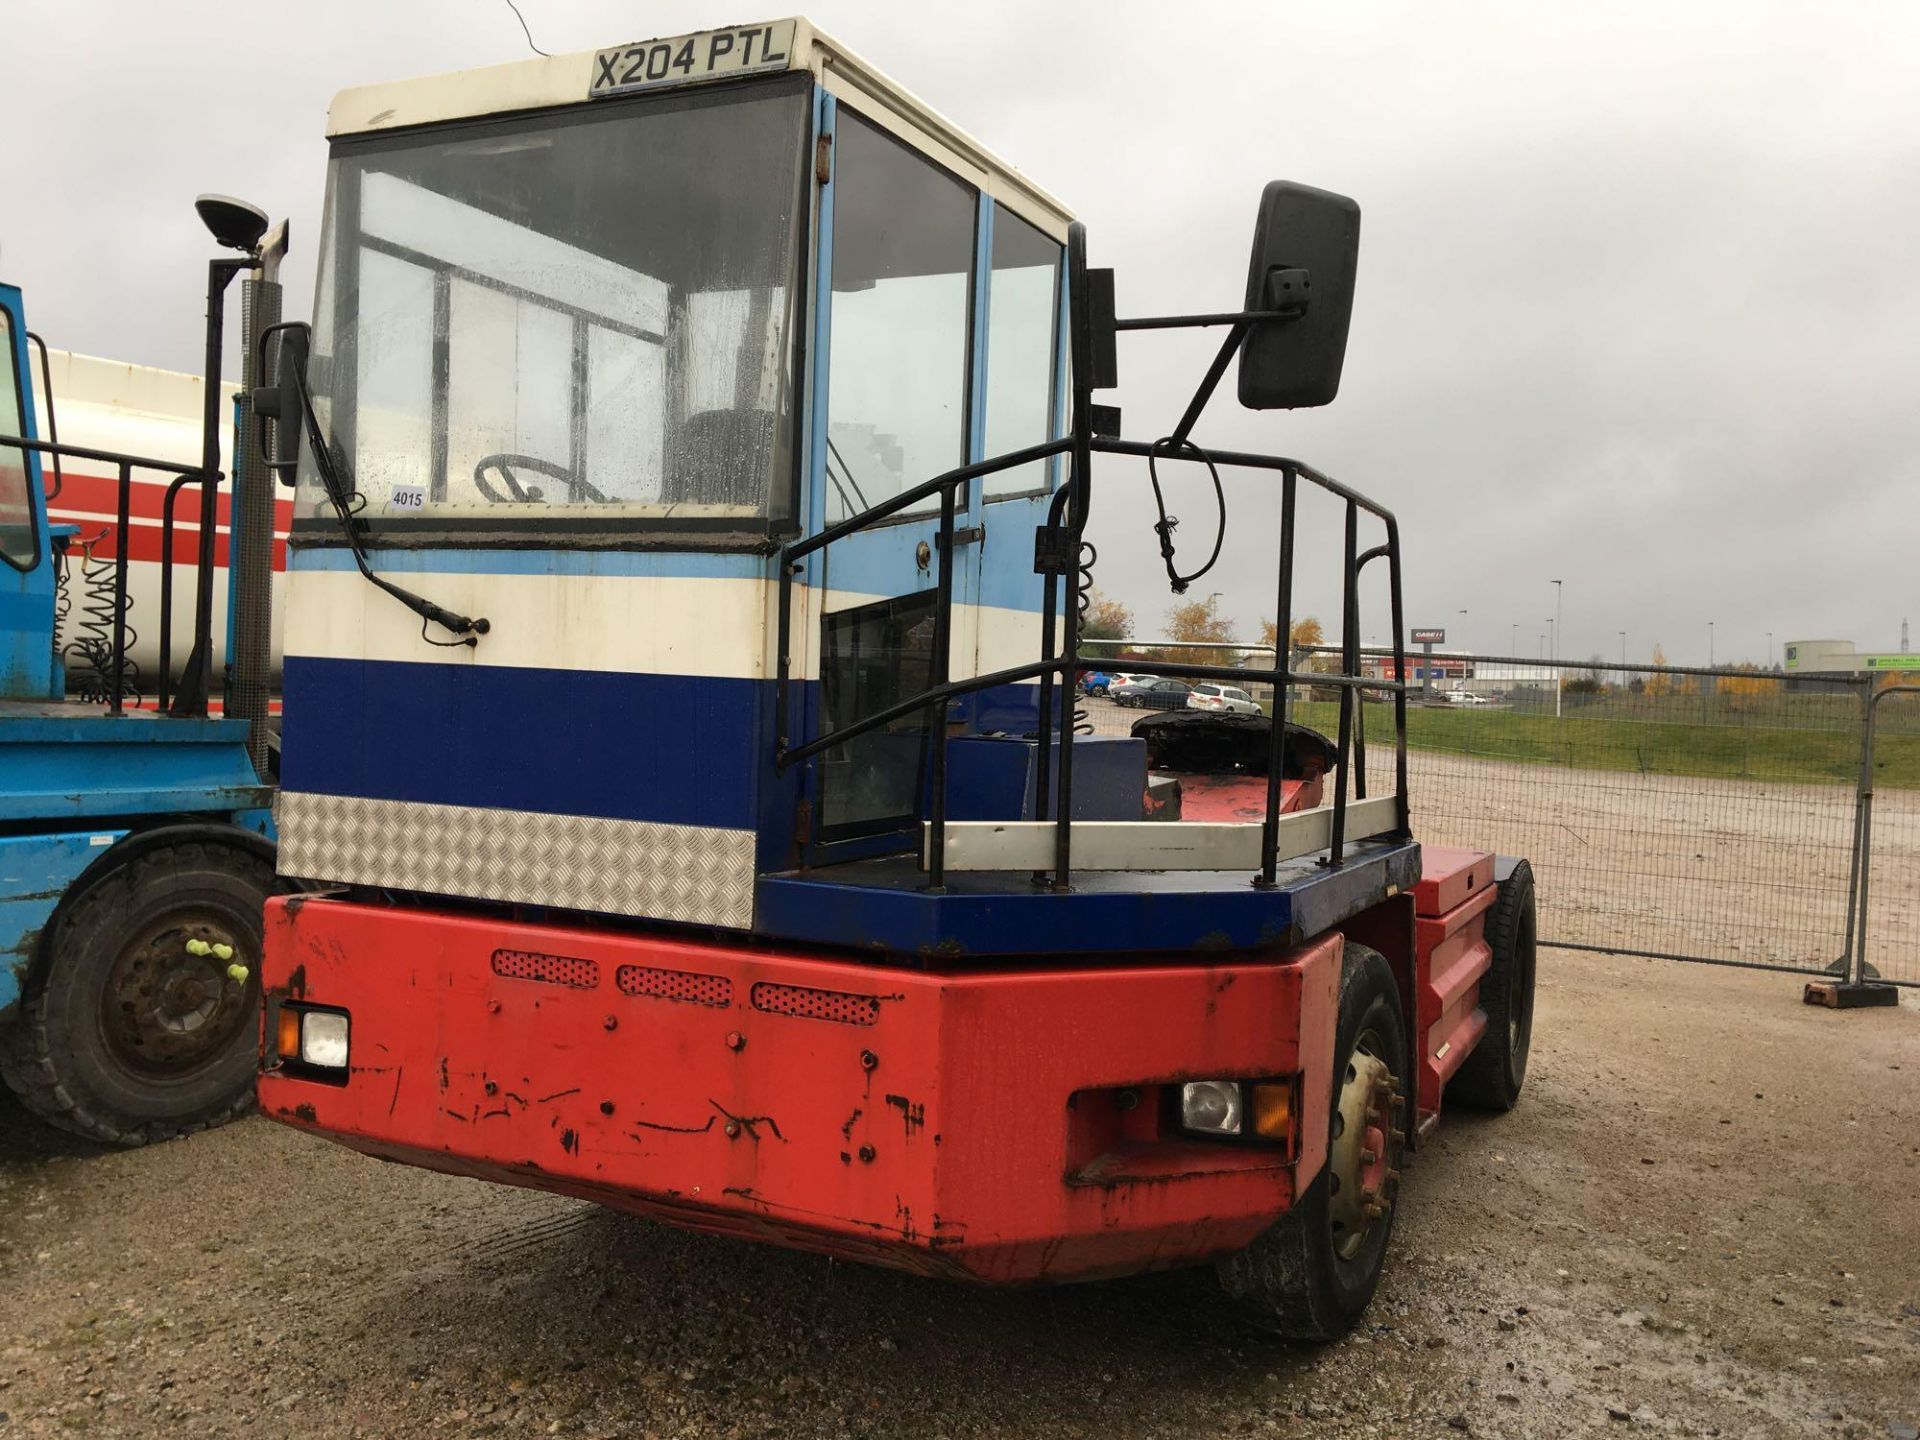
x,y
553,969
687,985
809,1004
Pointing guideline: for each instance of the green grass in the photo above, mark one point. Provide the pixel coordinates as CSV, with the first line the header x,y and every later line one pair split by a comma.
x,y
1812,745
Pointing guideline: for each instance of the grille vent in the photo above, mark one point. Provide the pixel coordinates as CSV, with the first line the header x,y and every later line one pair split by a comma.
x,y
552,969
809,1004
684,985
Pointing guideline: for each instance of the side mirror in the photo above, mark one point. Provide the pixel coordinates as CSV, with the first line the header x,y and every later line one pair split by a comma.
x,y
1306,245
282,401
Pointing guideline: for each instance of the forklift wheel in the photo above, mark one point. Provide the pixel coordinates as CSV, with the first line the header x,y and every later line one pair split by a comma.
x,y
141,1021
1311,1276
1490,1078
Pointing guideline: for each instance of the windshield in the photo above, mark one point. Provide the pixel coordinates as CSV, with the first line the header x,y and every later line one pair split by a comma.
x,y
578,321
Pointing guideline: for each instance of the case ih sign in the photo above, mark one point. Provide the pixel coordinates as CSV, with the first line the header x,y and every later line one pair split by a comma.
x,y
1429,637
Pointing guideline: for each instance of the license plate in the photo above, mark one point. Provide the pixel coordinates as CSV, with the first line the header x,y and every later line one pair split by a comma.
x,y
708,55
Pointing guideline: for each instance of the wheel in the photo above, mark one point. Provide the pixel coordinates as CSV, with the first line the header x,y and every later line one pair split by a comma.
x,y
140,1023
1490,1078
1099,690
1311,1276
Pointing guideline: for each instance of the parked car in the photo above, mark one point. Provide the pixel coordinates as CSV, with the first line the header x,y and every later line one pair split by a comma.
x,y
1466,697
1097,682
1153,694
1222,700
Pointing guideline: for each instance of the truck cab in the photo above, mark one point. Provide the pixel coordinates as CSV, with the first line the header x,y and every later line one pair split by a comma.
x,y
679,753
135,849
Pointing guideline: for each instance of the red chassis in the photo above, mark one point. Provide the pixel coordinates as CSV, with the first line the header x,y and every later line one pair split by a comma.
x,y
1003,1127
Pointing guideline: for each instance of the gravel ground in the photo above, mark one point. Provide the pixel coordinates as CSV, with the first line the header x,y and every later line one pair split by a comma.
x,y
1702,1220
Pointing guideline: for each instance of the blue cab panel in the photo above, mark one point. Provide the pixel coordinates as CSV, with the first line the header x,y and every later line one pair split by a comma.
x,y
63,763
27,665
996,777
35,871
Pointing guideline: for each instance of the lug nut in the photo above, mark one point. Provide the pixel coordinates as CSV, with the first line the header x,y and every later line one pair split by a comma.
x,y
493,1007
606,1107
735,1040
611,1023
867,1153
1367,1157
868,1060
732,1128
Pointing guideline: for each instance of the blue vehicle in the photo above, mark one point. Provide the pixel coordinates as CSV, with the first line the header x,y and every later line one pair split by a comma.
x,y
1096,682
136,832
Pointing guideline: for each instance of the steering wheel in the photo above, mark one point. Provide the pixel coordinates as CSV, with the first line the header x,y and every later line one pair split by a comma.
x,y
578,490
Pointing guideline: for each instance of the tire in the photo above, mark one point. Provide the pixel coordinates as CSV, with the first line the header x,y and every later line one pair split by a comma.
x,y
123,1035
1099,690
1492,1076
1310,1277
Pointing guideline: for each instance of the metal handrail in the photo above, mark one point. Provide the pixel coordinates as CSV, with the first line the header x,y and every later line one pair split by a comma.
x,y
1057,549
123,525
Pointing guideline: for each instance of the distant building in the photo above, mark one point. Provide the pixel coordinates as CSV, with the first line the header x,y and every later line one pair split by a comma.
x,y
1838,657
1457,670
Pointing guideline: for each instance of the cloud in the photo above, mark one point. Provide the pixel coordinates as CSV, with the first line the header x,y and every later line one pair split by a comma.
x,y
1637,303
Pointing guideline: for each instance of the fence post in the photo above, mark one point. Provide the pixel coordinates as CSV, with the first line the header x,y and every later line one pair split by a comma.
x,y
1853,990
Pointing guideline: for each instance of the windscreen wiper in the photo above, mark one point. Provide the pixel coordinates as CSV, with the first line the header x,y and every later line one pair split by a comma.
x,y
343,497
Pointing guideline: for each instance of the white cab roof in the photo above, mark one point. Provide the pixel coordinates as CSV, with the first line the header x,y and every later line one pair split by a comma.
x,y
540,84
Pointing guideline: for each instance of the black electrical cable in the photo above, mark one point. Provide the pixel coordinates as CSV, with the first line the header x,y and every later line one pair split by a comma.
x,y
1168,523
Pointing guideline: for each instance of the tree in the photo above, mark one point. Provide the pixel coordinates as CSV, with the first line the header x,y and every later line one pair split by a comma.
x,y
1587,681
1659,684
1198,623
1306,631
1746,687
1107,619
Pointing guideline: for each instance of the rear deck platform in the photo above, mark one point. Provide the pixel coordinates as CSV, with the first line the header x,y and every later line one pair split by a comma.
x,y
884,905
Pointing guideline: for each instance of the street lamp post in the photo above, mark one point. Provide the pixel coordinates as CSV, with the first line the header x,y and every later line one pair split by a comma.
x,y
1553,656
1559,632
1709,644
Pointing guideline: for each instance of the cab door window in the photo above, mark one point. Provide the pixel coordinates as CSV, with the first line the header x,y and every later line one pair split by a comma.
x,y
1023,308
903,242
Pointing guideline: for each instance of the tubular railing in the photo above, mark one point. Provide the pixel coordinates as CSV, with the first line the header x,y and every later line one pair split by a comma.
x,y
1057,548
1054,792
123,524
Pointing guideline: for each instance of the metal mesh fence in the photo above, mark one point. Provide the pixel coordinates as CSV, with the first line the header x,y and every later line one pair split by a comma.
x,y
1698,816
1893,915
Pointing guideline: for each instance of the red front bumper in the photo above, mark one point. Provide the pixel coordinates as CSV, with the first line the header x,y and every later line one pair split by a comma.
x,y
1002,1127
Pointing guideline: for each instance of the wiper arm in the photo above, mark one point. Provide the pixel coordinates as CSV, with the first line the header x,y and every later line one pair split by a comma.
x,y
466,630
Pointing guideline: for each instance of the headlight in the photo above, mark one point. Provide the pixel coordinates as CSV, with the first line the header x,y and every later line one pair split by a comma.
x,y
1212,1107
323,1039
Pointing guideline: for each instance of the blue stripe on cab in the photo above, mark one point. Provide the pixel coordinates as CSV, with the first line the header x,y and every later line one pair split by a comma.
x,y
678,749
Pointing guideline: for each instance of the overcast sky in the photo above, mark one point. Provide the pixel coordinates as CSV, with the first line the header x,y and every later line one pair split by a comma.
x,y
1638,308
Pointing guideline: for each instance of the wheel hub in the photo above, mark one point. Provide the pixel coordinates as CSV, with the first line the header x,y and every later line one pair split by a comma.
x,y
176,996
1362,1179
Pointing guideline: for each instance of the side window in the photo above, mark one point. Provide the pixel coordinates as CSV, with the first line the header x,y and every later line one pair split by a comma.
x,y
1023,306
16,503
903,240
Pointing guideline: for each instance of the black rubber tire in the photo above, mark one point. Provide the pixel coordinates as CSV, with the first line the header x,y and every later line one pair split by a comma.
x,y
57,1057
1290,1281
1492,1077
